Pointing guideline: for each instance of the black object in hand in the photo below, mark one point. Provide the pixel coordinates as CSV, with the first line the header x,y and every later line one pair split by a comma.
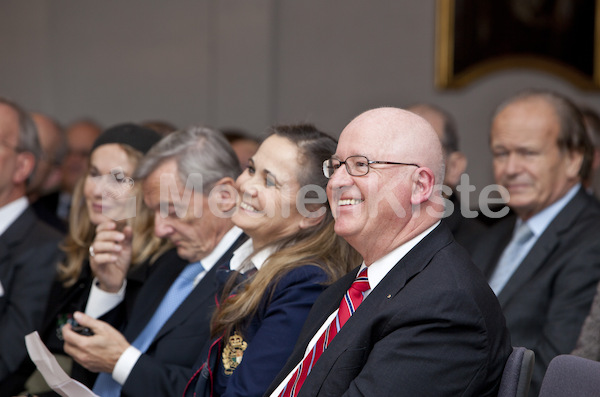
x,y
81,330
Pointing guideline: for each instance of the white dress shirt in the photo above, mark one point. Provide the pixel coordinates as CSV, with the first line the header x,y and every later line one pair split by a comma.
x,y
131,355
11,211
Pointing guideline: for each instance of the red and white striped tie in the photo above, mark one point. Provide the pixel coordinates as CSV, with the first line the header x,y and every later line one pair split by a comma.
x,y
350,302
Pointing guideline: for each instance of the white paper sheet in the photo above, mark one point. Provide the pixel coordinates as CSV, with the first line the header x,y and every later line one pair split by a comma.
x,y
54,375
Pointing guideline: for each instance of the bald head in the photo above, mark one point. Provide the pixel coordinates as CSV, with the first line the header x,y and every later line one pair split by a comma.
x,y
397,198
52,141
392,133
444,125
80,138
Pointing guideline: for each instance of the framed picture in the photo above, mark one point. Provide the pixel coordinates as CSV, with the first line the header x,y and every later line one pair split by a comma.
x,y
477,37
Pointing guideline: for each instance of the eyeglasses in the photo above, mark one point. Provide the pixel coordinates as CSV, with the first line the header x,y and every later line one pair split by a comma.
x,y
355,165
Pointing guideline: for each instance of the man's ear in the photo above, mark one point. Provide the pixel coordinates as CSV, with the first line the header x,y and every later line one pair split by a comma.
x,y
574,162
422,187
25,167
456,164
226,195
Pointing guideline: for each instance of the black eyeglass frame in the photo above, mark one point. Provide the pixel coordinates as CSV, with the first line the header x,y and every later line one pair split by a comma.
x,y
326,167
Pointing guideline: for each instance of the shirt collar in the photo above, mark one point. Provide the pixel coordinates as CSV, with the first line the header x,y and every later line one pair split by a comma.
x,y
381,267
245,250
540,221
11,211
226,242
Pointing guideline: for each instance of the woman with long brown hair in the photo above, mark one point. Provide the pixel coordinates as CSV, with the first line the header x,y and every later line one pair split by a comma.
x,y
291,256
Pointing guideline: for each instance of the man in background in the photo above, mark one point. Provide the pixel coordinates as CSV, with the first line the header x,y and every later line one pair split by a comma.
x,y
591,120
543,262
79,136
28,247
465,230
44,188
167,329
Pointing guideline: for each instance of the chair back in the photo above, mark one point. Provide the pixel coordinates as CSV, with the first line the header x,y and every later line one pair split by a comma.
x,y
571,376
516,376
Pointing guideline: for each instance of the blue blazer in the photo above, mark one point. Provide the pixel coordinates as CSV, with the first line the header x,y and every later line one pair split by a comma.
x,y
270,336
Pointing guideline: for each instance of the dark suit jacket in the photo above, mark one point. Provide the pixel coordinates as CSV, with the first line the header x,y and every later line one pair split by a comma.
x,y
432,327
270,336
465,230
165,368
61,304
549,295
45,208
28,256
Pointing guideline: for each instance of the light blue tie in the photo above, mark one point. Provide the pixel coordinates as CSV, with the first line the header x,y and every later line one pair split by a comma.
x,y
105,385
511,258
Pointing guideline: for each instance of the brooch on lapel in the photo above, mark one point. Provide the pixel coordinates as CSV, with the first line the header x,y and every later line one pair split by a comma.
x,y
233,353
61,320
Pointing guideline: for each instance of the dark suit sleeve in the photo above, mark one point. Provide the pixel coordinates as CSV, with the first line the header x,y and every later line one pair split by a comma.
x,y
442,337
277,332
26,293
165,368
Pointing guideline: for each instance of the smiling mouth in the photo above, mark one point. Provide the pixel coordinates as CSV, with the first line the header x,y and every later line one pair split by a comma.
x,y
248,207
342,203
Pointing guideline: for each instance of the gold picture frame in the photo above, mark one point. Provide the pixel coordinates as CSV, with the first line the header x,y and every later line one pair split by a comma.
x,y
477,37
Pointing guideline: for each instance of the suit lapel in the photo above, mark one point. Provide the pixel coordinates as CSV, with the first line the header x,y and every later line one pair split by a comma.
x,y
15,233
395,280
490,249
543,247
151,294
408,267
335,292
202,292
189,307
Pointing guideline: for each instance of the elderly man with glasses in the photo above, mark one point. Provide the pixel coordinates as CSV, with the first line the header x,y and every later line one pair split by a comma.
x,y
416,318
28,247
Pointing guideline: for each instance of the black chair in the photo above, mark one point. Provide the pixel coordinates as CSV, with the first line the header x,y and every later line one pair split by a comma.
x,y
516,377
571,376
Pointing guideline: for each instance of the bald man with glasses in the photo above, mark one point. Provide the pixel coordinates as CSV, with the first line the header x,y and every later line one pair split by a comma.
x,y
417,318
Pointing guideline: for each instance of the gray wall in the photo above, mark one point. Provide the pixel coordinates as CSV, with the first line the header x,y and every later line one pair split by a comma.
x,y
245,63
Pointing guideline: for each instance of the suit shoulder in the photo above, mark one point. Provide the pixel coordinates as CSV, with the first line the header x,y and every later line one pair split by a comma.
x,y
311,273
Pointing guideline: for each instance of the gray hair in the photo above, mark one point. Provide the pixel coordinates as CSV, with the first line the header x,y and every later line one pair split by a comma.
x,y
198,151
591,120
28,134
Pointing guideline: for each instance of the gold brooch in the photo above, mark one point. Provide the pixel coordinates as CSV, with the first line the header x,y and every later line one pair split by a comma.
x,y
233,353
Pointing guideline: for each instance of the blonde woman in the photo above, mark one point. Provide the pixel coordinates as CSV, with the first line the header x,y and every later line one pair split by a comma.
x,y
110,238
